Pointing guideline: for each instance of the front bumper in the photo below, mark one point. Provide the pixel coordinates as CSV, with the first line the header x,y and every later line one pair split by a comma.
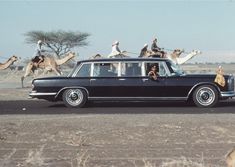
x,y
227,94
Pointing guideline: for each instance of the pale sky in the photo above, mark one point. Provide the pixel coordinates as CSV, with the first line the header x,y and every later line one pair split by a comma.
x,y
208,26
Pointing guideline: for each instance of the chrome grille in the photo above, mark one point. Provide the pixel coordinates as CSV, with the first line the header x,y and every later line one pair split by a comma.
x,y
231,83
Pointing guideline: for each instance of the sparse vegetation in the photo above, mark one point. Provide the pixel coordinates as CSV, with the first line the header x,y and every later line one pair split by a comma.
x,y
58,42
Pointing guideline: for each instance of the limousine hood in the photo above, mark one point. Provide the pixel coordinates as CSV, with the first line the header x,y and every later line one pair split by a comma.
x,y
204,76
200,75
52,78
49,80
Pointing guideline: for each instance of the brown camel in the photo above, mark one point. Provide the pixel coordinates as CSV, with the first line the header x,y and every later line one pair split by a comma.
x,y
9,62
48,64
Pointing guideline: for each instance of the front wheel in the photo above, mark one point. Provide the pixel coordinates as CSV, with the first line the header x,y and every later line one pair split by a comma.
x,y
205,96
74,98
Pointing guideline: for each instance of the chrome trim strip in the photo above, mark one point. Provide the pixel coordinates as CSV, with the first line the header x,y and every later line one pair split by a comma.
x,y
228,94
138,98
34,94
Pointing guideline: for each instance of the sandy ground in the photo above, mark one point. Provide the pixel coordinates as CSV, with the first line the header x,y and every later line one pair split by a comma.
x,y
142,140
122,140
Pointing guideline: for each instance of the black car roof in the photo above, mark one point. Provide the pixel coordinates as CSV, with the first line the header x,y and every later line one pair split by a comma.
x,y
122,59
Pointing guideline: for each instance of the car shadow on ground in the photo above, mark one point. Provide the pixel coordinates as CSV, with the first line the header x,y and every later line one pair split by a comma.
x,y
44,107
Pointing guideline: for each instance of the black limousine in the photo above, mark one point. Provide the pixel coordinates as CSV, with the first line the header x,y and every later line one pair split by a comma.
x,y
127,79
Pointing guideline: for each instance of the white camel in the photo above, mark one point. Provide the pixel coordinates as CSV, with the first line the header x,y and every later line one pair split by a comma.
x,y
175,56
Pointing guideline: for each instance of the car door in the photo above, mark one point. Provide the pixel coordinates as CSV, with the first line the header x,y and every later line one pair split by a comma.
x,y
154,88
177,83
104,80
126,83
130,79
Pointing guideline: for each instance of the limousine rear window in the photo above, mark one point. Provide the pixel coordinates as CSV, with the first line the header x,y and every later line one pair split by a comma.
x,y
105,70
131,69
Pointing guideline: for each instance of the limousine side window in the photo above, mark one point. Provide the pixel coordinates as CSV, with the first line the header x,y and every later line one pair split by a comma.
x,y
131,69
161,69
105,70
84,71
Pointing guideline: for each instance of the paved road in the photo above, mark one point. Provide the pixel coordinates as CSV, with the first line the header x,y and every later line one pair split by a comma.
x,y
39,133
44,107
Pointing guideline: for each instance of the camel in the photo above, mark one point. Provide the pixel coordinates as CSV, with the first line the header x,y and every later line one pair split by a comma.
x,y
181,60
96,56
49,64
230,158
9,62
175,55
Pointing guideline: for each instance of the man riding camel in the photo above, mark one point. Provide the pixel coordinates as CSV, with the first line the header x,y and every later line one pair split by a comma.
x,y
39,57
156,49
116,51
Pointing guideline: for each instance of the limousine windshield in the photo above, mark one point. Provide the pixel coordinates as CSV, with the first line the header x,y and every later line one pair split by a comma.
x,y
175,69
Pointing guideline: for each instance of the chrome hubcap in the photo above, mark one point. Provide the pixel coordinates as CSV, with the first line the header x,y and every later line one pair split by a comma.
x,y
205,96
74,97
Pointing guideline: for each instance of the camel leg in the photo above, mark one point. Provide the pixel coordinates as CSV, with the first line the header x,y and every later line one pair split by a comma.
x,y
57,71
45,72
27,72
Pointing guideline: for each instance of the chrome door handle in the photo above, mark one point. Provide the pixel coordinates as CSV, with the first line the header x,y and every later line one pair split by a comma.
x,y
93,79
145,79
121,79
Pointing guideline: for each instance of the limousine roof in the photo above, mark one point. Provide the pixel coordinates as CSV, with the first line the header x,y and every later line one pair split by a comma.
x,y
122,59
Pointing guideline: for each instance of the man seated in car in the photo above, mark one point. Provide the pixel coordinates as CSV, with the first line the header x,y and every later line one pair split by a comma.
x,y
153,74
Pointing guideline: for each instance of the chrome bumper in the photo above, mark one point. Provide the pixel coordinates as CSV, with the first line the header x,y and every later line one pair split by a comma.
x,y
228,94
36,94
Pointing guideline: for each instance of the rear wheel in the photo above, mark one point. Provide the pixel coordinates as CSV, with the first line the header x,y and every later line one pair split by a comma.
x,y
205,96
74,97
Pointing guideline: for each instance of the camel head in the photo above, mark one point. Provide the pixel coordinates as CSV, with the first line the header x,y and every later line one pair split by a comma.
x,y
177,52
97,56
71,55
13,58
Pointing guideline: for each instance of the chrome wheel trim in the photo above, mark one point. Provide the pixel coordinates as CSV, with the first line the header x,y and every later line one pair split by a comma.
x,y
74,97
205,96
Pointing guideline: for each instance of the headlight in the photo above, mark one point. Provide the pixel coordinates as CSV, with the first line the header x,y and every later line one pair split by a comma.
x,y
32,86
231,83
